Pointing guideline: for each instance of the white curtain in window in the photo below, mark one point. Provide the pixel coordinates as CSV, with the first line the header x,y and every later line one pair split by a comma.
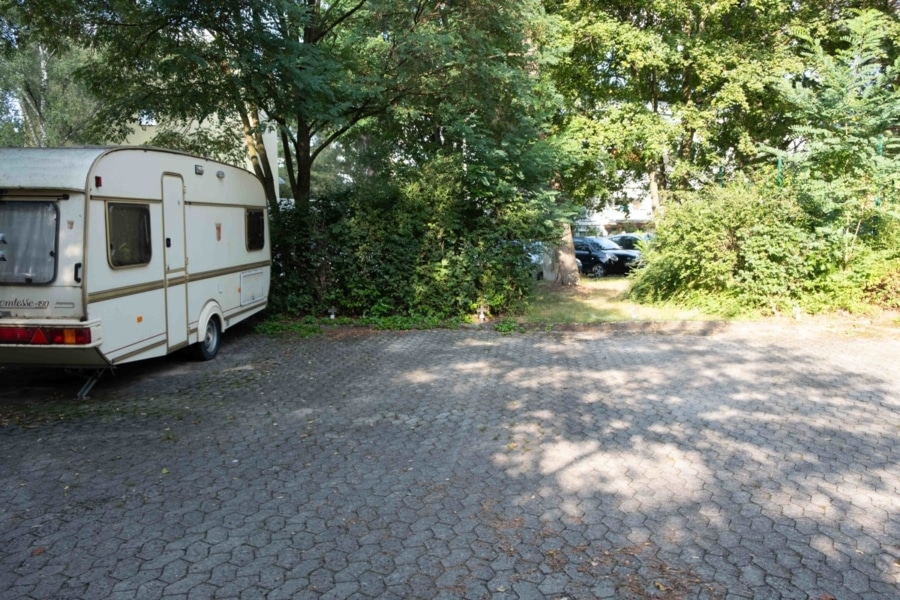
x,y
27,242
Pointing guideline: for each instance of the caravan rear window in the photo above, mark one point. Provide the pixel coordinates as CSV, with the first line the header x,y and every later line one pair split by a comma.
x,y
28,233
128,232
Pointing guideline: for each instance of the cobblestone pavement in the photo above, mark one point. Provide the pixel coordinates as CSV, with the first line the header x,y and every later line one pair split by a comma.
x,y
721,463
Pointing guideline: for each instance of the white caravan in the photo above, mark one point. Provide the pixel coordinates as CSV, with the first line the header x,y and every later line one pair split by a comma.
x,y
112,255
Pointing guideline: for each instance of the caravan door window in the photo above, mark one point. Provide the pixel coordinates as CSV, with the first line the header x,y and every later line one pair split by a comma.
x,y
128,232
28,234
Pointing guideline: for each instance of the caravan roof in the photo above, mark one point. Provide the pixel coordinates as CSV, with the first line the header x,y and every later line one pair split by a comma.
x,y
26,168
20,168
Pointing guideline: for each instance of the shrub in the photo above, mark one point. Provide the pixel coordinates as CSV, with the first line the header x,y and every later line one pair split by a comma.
x,y
753,248
734,249
883,289
424,249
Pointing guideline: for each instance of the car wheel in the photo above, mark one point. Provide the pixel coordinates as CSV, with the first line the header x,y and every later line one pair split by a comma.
x,y
598,270
208,346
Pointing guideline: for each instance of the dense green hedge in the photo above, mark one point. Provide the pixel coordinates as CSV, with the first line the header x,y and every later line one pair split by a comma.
x,y
753,248
425,249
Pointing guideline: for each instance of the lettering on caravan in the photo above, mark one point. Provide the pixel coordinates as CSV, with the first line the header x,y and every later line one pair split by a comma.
x,y
24,303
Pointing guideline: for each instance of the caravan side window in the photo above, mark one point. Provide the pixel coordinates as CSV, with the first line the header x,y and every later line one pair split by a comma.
x,y
128,234
256,229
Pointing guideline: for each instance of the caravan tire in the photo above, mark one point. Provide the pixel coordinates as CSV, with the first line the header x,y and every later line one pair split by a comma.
x,y
208,346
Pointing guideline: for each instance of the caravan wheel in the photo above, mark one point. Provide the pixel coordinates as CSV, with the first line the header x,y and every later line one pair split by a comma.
x,y
208,346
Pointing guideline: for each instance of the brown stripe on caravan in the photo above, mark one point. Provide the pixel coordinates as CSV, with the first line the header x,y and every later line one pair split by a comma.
x,y
158,285
140,350
125,291
99,198
228,271
249,308
224,205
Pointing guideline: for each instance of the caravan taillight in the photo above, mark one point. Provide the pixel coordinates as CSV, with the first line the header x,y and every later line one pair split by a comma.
x,y
70,336
16,335
44,336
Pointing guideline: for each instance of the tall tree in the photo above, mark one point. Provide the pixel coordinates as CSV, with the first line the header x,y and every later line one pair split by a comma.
x,y
41,102
463,151
678,93
311,69
845,147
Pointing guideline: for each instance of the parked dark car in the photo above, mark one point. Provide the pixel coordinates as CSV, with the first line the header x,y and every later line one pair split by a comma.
x,y
631,241
600,256
534,253
539,257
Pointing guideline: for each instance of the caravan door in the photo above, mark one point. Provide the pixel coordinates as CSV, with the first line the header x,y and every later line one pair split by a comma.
x,y
176,272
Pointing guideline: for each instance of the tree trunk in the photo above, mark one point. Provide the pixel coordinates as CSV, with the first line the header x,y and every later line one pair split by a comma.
x,y
653,175
303,163
44,92
33,102
656,170
564,261
259,156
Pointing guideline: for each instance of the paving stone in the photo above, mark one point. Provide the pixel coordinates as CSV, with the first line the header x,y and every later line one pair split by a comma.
x,y
725,463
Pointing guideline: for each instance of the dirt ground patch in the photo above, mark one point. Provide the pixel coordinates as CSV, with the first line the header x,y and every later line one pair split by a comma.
x,y
602,302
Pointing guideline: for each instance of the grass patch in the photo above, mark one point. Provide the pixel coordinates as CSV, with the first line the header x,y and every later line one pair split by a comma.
x,y
311,326
506,325
603,301
277,326
593,300
37,412
401,323
598,301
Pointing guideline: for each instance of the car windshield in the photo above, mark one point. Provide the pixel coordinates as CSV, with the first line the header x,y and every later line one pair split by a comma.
x,y
606,244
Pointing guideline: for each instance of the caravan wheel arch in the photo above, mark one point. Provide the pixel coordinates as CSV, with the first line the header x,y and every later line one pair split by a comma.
x,y
210,311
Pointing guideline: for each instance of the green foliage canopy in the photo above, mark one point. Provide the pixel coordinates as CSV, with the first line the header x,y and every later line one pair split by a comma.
x,y
826,232
845,148
446,124
671,91
41,102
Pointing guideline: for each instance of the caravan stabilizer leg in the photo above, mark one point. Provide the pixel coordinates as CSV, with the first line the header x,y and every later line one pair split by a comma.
x,y
92,380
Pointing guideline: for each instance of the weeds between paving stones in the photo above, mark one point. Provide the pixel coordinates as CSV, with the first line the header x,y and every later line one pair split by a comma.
x,y
641,575
634,571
